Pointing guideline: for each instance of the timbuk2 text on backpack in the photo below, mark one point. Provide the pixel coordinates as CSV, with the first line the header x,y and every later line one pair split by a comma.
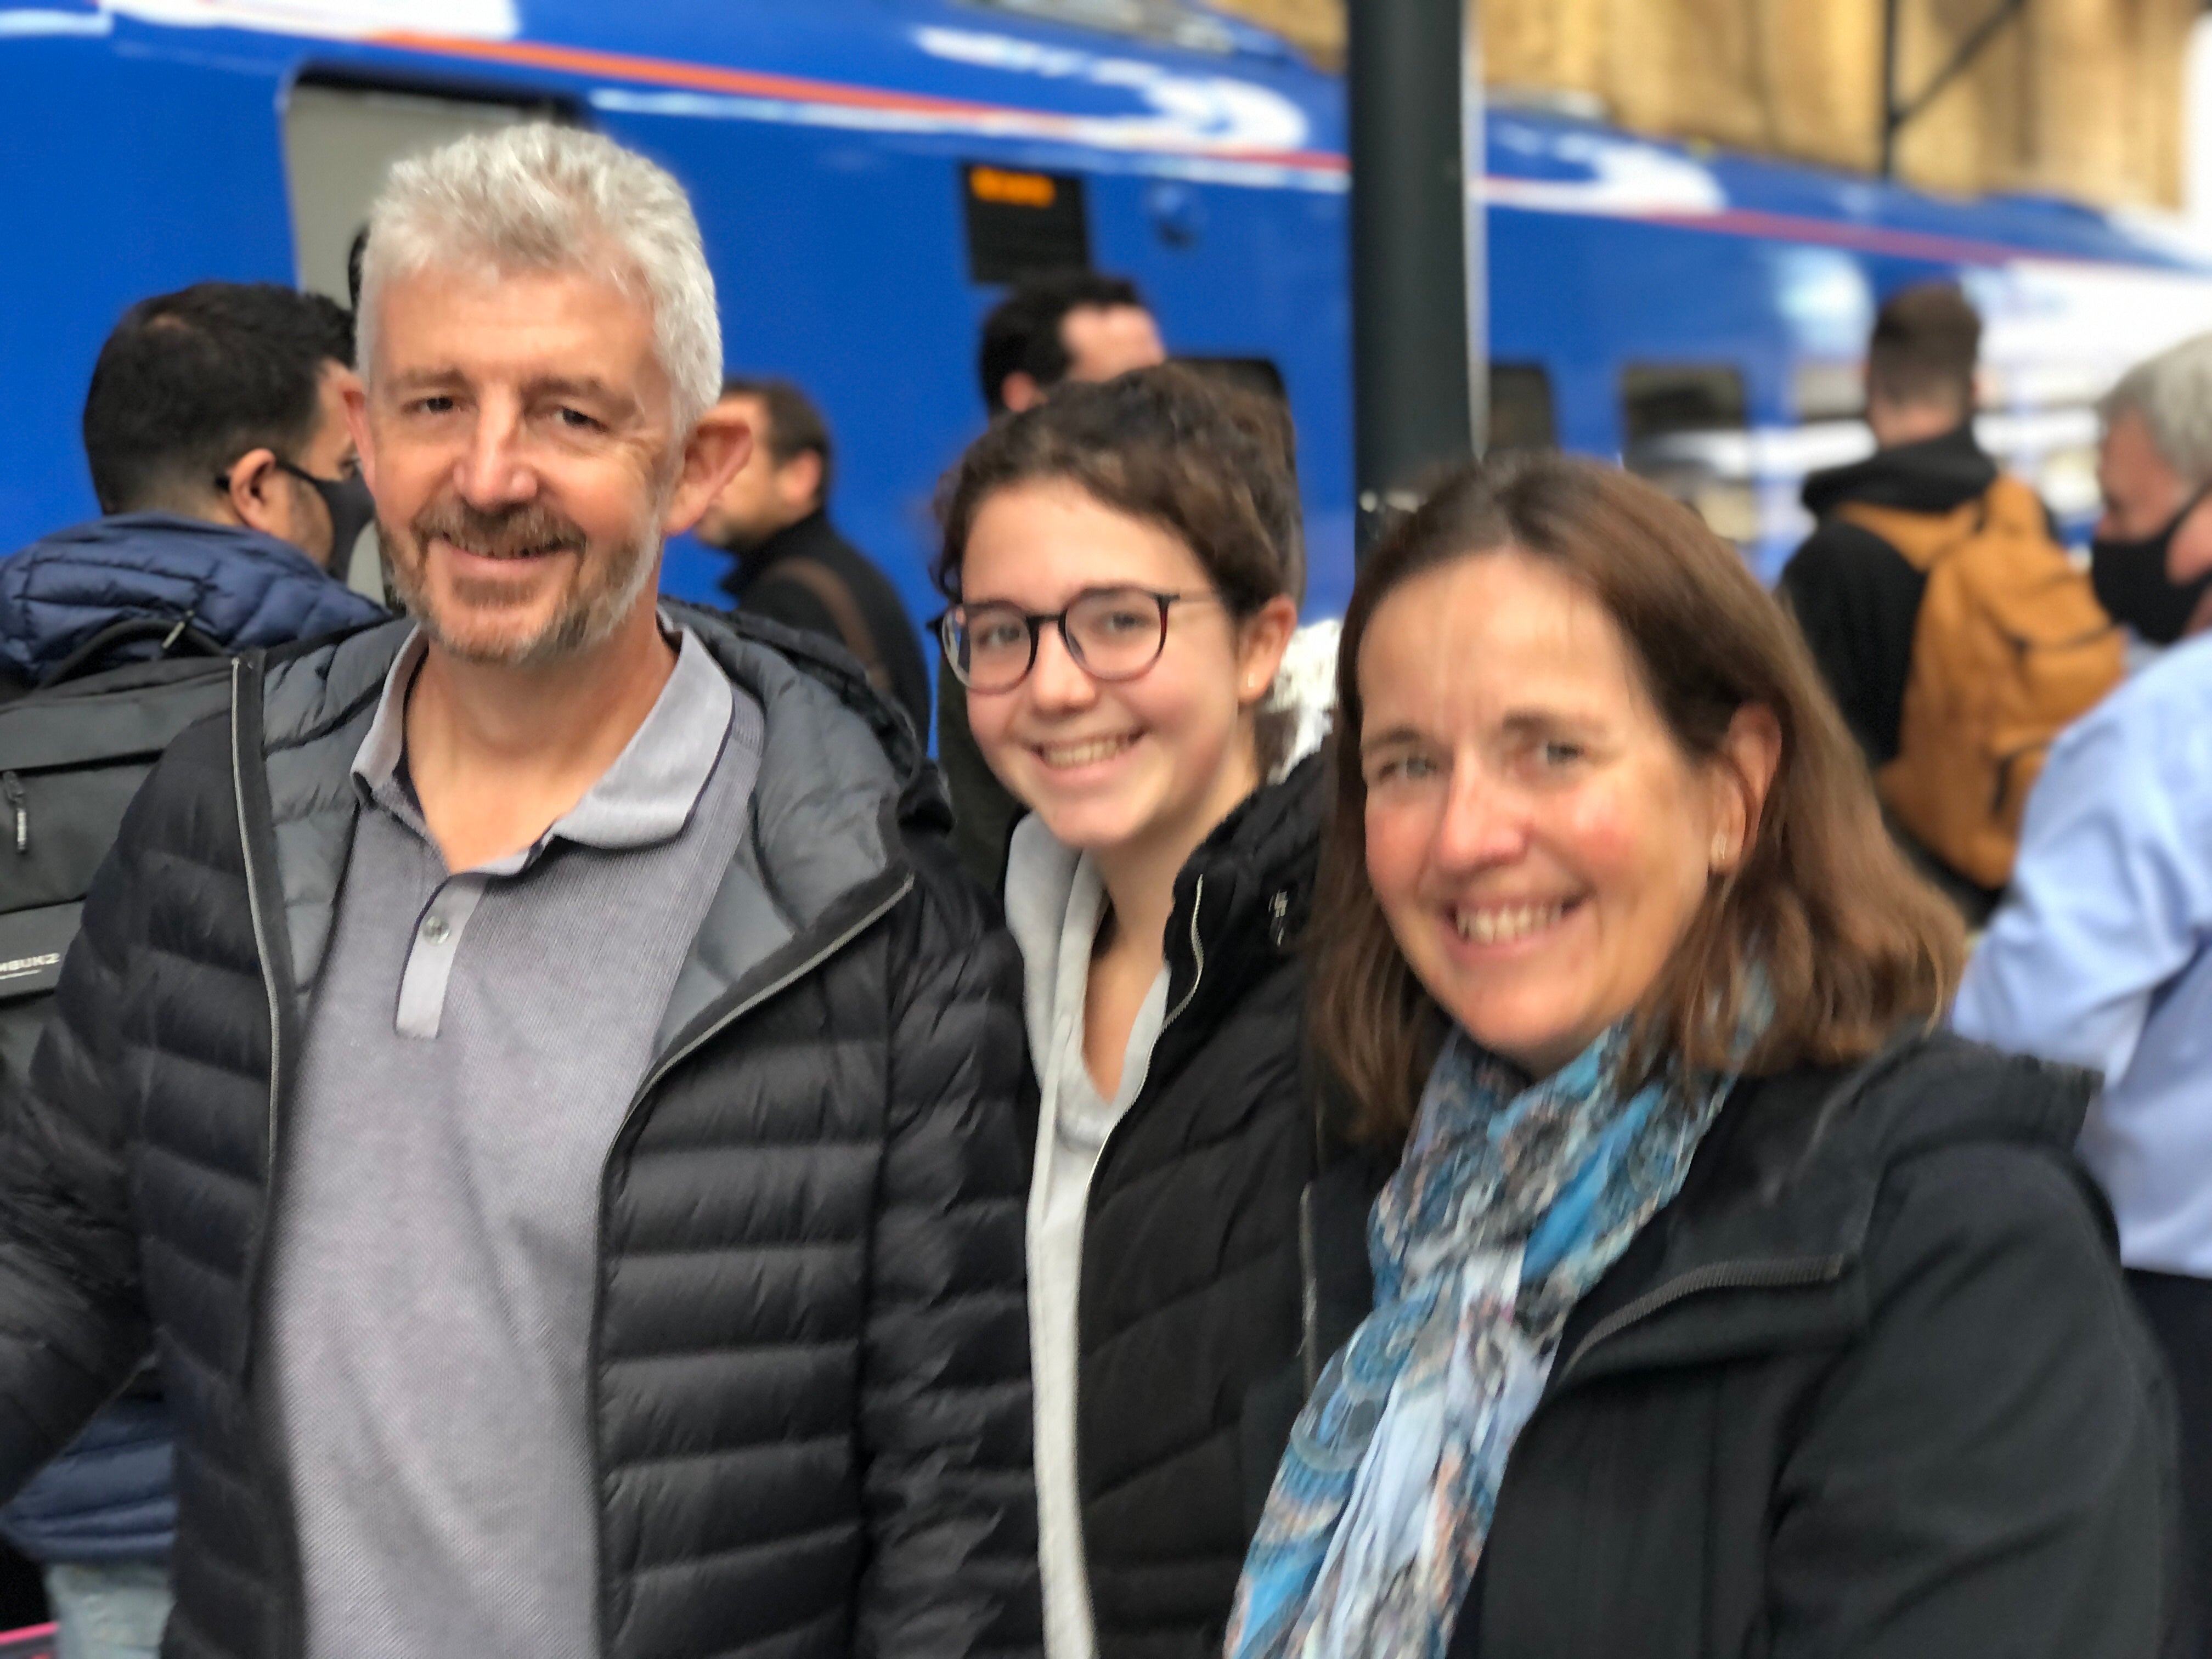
x,y
2011,647
72,755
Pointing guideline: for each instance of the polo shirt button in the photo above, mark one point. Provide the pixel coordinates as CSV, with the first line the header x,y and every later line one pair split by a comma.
x,y
435,928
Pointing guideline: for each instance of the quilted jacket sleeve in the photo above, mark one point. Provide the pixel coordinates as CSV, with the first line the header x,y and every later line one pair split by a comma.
x,y
73,1325
946,1406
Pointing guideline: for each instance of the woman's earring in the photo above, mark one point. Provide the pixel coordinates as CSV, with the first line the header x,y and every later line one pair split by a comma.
x,y
1721,851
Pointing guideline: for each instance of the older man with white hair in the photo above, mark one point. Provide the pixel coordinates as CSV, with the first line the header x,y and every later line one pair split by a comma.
x,y
534,1071
2102,953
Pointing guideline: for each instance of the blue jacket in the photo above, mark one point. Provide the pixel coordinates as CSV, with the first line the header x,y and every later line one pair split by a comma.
x,y
109,1497
239,587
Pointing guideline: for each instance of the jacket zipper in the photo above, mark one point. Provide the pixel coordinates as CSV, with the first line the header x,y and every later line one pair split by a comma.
x,y
661,1069
1789,1274
1075,1371
19,803
293,1634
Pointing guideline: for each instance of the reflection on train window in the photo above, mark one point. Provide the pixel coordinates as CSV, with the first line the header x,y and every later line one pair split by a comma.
x,y
1521,416
1684,430
341,138
1167,21
1255,375
1659,398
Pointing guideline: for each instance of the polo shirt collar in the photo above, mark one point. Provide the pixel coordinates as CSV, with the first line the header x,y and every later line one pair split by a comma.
x,y
646,796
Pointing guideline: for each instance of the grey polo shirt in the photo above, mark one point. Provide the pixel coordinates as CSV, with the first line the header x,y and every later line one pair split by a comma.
x,y
476,1039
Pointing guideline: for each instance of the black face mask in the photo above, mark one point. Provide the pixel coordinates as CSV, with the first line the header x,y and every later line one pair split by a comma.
x,y
2132,585
350,507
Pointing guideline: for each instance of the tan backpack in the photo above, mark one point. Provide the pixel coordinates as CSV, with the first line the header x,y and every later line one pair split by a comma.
x,y
2011,647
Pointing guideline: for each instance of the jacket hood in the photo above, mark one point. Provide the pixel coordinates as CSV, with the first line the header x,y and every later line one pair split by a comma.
x,y
239,587
1933,475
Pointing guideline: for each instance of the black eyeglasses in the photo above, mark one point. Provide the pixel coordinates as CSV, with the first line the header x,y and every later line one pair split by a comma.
x,y
1113,633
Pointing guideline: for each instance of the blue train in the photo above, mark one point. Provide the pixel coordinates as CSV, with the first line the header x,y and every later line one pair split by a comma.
x,y
868,174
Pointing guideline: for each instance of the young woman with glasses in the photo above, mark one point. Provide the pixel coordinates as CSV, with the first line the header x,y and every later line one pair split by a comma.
x,y
1122,561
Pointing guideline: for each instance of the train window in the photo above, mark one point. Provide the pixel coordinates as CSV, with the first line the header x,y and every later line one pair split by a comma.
x,y
1684,426
1255,374
1658,399
1022,223
340,140
1167,21
1521,416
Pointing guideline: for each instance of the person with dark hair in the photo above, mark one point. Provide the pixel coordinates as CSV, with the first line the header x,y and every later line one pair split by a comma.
x,y
1723,1305
219,453
1120,561
1071,326
1952,735
1078,326
792,565
215,427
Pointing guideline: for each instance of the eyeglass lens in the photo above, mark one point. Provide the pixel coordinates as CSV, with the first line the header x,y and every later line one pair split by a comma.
x,y
1116,633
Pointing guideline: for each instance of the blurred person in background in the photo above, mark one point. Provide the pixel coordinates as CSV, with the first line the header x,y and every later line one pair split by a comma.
x,y
2151,557
1122,561
215,427
1721,1305
2102,954
791,566
1950,716
535,1070
1082,326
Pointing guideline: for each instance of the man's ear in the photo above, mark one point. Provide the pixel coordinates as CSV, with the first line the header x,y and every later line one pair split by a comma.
x,y
355,397
717,447
798,482
1019,390
250,490
2189,556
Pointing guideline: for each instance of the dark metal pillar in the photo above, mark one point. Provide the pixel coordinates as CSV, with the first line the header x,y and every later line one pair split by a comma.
x,y
1418,288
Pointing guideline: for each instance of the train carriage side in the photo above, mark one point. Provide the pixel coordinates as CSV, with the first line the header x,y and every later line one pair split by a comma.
x,y
838,213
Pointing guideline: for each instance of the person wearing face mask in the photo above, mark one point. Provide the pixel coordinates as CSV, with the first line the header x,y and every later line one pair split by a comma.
x,y
1123,561
1722,1305
217,436
2151,556
215,427
2102,954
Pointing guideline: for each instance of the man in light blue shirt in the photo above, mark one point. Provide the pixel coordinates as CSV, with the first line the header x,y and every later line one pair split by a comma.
x,y
2102,954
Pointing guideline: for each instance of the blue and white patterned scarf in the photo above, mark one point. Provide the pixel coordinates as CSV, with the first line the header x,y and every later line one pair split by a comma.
x,y
1511,1203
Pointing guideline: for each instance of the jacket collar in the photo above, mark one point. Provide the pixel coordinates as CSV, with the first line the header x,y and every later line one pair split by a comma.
x,y
837,778
1762,1248
801,537
1241,899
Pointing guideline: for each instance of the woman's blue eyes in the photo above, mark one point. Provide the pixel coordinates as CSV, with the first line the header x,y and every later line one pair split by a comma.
x,y
576,420
1561,754
1407,767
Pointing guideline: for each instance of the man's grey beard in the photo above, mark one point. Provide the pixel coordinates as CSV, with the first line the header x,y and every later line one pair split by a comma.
x,y
588,616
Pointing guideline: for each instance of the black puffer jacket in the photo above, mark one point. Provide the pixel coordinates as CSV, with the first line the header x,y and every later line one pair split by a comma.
x,y
1871,1385
1192,1315
814,1440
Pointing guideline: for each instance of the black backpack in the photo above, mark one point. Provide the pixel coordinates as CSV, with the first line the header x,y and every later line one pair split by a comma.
x,y
73,752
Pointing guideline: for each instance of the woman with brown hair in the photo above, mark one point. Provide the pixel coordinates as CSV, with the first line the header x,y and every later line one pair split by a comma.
x,y
1722,1307
1124,560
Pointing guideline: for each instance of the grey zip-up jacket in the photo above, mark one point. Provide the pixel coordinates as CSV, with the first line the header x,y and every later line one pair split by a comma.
x,y
821,1446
